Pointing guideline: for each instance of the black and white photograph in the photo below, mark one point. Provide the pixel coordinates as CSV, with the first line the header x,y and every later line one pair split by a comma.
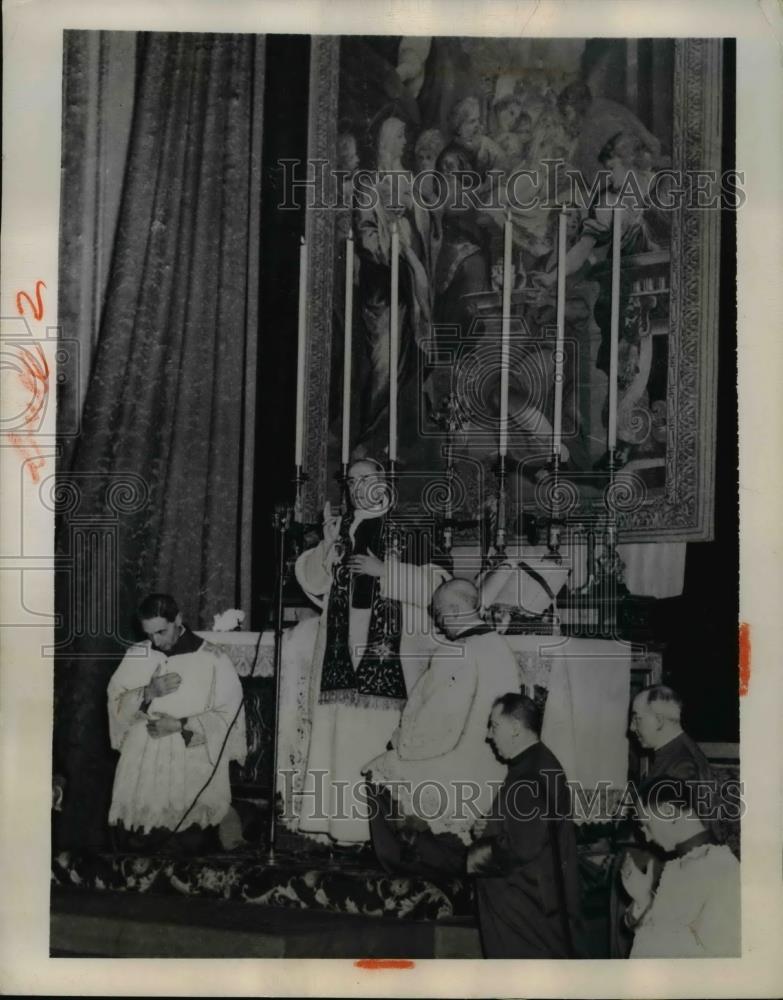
x,y
382,398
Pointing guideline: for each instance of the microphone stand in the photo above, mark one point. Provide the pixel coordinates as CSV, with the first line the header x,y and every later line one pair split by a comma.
x,y
284,519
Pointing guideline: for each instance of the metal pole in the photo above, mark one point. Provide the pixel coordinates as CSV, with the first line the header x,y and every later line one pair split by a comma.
x,y
282,521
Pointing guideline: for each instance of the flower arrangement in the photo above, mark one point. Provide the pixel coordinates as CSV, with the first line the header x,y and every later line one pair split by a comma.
x,y
228,621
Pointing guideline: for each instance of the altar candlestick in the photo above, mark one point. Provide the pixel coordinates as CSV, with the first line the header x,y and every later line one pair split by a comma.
x,y
347,346
614,329
300,356
560,342
394,341
505,338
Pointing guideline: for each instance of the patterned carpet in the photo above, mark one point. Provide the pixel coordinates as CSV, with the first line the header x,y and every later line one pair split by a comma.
x,y
292,884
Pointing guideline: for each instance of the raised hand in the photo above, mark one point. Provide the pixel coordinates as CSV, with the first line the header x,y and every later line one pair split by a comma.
x,y
331,525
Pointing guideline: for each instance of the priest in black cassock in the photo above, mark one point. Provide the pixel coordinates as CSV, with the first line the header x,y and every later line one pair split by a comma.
x,y
525,860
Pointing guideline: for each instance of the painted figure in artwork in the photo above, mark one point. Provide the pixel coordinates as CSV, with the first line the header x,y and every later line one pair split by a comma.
x,y
392,204
644,229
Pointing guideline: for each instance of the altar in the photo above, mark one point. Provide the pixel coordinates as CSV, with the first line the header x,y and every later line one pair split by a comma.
x,y
543,660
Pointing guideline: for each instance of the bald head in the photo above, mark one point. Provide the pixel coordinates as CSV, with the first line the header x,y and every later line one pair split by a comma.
x,y
455,606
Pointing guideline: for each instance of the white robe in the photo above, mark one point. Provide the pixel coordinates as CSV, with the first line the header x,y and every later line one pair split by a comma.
x,y
157,779
343,737
449,772
696,910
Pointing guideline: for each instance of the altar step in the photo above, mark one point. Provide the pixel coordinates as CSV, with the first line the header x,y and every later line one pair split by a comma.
x,y
90,923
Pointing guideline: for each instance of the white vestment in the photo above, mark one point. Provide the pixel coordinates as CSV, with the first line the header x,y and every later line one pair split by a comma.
x,y
157,779
441,756
343,737
696,910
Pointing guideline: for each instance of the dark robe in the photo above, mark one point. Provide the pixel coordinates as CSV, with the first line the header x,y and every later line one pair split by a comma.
x,y
527,883
680,758
405,851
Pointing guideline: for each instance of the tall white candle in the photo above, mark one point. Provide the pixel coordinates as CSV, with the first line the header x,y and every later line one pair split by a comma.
x,y
614,329
394,341
557,424
300,355
505,338
347,347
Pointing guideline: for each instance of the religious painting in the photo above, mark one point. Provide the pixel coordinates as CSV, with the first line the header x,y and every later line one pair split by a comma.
x,y
489,166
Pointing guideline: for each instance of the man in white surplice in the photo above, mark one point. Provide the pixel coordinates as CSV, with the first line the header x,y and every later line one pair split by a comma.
x,y
446,771
176,718
374,639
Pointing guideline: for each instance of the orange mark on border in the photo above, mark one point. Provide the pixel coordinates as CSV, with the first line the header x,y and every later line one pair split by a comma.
x,y
37,306
744,658
34,376
384,963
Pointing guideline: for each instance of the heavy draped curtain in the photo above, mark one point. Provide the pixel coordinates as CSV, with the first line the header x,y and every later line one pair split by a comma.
x,y
154,493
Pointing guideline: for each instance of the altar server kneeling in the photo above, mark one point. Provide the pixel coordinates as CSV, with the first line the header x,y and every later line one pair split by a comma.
x,y
176,718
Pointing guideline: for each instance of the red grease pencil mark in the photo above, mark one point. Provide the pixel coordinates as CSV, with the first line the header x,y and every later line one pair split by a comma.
x,y
384,963
34,376
37,306
744,658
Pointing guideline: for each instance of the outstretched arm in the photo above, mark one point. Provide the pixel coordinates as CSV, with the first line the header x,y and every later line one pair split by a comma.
x,y
314,567
411,584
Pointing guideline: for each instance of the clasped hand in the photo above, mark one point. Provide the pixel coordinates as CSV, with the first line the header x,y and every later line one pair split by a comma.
x,y
638,882
163,725
369,565
161,685
479,827
479,858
